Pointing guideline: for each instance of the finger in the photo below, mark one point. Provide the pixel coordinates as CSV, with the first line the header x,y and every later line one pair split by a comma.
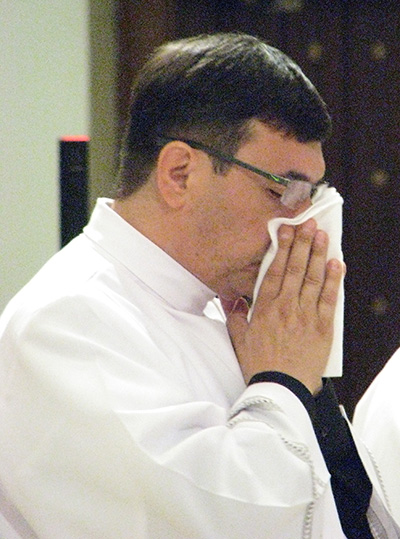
x,y
272,282
330,290
299,258
237,323
315,275
227,305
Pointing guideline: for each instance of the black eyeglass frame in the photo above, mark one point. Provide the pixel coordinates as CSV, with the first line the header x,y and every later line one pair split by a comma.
x,y
234,161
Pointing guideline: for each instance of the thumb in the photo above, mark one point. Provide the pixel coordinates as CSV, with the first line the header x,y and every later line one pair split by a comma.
x,y
237,323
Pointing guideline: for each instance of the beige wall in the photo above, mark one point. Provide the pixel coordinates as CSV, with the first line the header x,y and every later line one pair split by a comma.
x,y
52,62
103,107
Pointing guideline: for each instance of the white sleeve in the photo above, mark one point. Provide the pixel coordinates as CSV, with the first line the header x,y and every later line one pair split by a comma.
x,y
104,440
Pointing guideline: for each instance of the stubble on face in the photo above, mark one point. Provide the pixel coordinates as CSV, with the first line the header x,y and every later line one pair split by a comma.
x,y
228,234
235,250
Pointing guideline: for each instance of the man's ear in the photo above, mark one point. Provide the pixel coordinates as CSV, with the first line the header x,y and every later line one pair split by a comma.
x,y
175,163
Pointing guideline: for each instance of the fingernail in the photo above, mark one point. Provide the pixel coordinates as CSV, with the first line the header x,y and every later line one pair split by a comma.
x,y
240,306
335,265
309,225
321,237
285,232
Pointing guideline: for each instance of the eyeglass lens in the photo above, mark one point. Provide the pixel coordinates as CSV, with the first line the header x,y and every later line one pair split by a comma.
x,y
296,193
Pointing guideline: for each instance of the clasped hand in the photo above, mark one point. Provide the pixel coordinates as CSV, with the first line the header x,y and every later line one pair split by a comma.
x,y
291,328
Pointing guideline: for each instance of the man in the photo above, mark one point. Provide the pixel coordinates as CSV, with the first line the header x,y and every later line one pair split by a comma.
x,y
376,420
129,408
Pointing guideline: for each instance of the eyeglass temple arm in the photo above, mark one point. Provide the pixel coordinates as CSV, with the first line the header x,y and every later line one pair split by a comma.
x,y
228,158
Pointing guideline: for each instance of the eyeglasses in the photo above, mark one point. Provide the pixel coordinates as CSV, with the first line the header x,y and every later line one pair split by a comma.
x,y
293,193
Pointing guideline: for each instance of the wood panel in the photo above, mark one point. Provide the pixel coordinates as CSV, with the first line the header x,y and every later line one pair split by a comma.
x,y
141,26
371,232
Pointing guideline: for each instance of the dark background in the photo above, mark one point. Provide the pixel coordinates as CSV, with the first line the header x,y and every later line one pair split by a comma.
x,y
351,51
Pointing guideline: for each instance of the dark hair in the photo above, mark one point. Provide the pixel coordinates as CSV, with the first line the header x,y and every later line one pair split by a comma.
x,y
209,88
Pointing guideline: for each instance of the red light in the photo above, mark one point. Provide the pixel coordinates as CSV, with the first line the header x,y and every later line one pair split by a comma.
x,y
75,138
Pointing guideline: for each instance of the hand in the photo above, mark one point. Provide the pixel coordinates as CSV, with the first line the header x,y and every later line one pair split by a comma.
x,y
291,329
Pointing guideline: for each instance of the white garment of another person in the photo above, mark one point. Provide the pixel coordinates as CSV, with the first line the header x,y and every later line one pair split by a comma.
x,y
377,422
124,413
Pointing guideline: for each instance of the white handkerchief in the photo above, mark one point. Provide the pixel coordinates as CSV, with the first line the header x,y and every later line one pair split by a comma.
x,y
327,211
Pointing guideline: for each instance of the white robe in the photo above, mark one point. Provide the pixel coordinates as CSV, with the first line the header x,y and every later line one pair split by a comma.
x,y
124,413
377,422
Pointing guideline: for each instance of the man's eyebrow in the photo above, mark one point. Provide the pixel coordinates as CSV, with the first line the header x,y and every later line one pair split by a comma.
x,y
293,175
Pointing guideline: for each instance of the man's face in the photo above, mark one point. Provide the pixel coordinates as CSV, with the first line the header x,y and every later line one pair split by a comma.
x,y
228,218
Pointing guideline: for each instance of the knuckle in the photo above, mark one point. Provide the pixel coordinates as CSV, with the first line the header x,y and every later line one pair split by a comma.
x,y
295,269
313,280
274,274
285,243
304,236
329,297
